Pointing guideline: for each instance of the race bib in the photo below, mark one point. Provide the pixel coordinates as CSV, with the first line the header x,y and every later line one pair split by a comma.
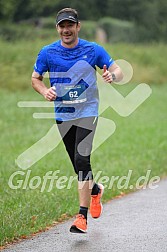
x,y
73,93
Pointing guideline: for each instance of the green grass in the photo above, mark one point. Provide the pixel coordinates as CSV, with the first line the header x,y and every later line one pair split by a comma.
x,y
138,144
148,61
17,60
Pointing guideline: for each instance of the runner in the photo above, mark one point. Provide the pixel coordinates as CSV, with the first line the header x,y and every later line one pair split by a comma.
x,y
71,63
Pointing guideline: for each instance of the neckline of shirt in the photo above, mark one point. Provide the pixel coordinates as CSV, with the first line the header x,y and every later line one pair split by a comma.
x,y
65,48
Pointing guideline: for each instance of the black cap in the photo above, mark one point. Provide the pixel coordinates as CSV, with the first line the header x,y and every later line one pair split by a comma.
x,y
67,16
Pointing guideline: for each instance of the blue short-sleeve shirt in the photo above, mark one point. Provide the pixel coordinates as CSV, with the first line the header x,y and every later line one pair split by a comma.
x,y
73,72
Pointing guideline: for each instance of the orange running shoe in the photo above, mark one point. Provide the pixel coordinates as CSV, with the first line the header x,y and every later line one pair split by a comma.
x,y
96,207
79,225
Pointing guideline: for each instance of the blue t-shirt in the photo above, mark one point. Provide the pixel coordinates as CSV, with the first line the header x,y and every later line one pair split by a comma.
x,y
73,72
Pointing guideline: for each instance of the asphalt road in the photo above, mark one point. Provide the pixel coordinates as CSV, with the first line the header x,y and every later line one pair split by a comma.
x,y
134,223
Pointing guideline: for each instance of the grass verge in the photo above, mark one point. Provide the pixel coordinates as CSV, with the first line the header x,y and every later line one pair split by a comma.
x,y
138,144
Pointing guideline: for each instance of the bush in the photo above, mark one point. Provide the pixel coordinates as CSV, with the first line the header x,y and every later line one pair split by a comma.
x,y
118,30
25,31
41,28
47,23
88,30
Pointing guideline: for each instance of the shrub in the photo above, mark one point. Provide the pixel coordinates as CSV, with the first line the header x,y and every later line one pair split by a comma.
x,y
15,32
118,30
88,30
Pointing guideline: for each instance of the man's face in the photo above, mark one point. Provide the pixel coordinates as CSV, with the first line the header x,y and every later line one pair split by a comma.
x,y
68,32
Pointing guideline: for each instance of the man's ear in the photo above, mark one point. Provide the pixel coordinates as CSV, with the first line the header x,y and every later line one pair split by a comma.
x,y
78,26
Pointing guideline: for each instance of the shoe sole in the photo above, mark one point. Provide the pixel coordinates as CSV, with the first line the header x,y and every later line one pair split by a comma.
x,y
102,191
76,230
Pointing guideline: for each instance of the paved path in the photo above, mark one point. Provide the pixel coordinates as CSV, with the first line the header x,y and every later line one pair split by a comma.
x,y
134,223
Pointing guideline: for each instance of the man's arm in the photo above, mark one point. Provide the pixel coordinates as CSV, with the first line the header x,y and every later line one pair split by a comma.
x,y
37,83
114,73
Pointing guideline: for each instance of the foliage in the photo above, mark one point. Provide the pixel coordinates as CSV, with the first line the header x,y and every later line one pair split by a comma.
x,y
118,30
88,30
149,16
13,32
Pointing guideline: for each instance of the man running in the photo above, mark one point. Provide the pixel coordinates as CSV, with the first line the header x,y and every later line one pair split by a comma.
x,y
71,63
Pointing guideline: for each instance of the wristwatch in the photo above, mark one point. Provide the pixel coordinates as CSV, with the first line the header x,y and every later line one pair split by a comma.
x,y
113,76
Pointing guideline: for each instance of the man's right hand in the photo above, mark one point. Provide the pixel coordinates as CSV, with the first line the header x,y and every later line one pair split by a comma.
x,y
50,94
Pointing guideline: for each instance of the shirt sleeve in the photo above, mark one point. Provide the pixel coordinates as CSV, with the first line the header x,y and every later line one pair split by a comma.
x,y
41,65
102,57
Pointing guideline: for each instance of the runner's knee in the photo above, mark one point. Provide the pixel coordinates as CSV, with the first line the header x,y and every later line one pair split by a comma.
x,y
83,167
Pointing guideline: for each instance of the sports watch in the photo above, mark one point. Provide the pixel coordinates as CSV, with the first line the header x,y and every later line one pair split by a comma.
x,y
113,76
